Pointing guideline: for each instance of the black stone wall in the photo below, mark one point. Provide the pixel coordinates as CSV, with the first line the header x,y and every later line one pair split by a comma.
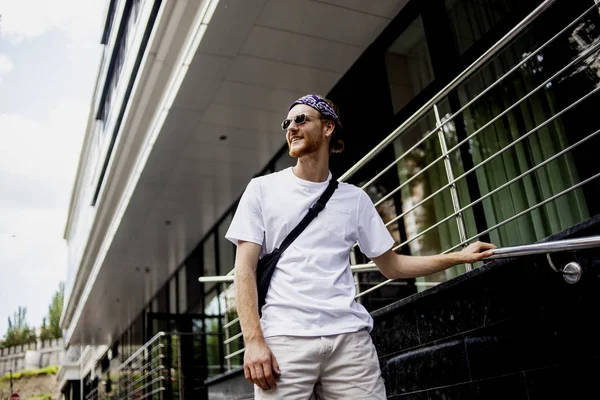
x,y
512,329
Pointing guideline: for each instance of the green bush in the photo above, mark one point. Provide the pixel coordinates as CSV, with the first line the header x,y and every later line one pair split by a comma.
x,y
51,370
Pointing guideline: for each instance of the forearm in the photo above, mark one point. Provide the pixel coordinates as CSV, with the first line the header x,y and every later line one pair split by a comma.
x,y
247,303
402,266
398,266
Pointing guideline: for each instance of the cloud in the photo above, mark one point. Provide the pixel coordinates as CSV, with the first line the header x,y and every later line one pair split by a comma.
x,y
41,156
26,19
38,161
40,144
33,260
6,66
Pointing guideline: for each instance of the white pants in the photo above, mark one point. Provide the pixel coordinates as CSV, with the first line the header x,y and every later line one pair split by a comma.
x,y
325,368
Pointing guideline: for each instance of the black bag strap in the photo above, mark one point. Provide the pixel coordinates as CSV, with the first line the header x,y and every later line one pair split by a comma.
x,y
312,214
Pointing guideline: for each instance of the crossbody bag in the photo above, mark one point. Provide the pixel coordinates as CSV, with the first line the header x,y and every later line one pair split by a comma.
x,y
266,265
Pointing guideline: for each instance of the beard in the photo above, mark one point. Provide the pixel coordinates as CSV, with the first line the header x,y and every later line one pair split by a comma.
x,y
308,145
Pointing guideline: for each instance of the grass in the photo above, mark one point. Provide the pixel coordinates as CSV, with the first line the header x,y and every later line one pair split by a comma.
x,y
51,370
43,396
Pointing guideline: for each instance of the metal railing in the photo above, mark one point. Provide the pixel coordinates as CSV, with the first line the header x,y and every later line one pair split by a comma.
x,y
572,271
167,367
146,373
92,395
430,114
555,246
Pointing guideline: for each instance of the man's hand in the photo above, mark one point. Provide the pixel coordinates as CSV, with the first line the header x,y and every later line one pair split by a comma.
x,y
260,365
476,252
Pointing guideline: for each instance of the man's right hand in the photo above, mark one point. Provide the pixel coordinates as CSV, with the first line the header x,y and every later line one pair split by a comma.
x,y
260,365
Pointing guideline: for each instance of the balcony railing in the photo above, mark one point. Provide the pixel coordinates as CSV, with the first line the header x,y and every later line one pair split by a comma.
x,y
164,368
146,373
436,124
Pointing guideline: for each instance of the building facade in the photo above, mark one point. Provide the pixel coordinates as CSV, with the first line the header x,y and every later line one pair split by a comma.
x,y
464,120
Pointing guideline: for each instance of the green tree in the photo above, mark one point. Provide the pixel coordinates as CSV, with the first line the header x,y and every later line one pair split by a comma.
x,y
44,332
51,325
18,331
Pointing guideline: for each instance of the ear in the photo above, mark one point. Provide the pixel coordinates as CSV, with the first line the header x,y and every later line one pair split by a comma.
x,y
329,127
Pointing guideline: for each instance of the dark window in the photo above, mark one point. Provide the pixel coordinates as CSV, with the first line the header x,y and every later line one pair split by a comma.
x,y
470,20
408,64
110,16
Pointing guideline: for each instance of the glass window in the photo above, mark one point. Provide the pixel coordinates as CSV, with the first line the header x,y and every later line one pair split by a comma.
x,y
193,289
408,65
213,346
470,20
511,141
213,303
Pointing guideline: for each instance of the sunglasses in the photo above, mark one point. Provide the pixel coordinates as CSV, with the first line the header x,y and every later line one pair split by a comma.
x,y
298,120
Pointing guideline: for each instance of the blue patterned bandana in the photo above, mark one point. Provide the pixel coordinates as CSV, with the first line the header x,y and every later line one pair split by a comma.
x,y
319,104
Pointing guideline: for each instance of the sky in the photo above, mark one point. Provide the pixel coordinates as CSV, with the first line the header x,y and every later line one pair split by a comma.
x,y
49,58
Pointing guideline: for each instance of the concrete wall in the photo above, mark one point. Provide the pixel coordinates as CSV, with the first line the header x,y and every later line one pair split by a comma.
x,y
34,355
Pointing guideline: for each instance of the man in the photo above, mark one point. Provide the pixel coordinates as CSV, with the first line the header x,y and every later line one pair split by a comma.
x,y
313,338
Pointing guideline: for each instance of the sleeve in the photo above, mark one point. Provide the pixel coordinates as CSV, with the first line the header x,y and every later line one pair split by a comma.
x,y
247,223
373,237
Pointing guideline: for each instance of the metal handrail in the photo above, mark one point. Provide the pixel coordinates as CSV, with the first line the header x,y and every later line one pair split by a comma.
x,y
141,349
504,252
547,247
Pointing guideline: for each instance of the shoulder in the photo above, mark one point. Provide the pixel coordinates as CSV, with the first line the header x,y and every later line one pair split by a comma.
x,y
265,185
269,179
350,190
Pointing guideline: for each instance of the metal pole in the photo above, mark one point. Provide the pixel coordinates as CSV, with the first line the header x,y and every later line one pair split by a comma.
x,y
11,383
547,247
226,328
357,285
462,233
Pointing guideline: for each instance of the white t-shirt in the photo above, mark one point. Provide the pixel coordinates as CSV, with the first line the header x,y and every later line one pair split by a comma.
x,y
312,289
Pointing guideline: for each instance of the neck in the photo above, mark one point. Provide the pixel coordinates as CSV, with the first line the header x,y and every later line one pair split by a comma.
x,y
313,167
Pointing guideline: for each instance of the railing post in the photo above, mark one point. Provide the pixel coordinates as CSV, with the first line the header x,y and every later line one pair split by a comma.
x,y
227,345
167,369
144,369
462,233
357,285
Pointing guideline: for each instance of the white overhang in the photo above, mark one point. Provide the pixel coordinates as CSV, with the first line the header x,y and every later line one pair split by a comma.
x,y
254,58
